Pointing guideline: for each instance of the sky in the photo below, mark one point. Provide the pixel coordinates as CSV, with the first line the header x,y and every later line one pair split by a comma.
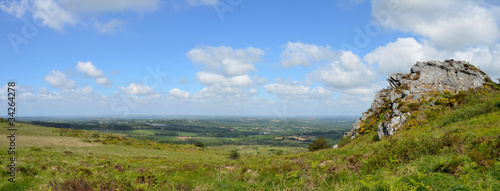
x,y
229,57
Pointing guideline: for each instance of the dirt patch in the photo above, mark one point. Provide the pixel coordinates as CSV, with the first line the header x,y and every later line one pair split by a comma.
x,y
184,138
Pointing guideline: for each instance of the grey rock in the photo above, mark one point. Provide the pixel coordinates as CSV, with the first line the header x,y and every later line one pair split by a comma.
x,y
395,80
424,78
394,95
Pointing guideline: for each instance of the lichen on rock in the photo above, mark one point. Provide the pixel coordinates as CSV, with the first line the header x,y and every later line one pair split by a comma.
x,y
424,78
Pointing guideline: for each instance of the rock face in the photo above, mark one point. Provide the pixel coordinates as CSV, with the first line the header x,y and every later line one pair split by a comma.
x,y
424,78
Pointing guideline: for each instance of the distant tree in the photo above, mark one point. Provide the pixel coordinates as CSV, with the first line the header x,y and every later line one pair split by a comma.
x,y
199,144
234,155
319,144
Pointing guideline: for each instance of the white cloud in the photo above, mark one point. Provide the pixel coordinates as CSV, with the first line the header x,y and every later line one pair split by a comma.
x,y
304,54
16,8
76,93
483,56
399,56
220,93
253,91
239,81
137,89
295,90
58,79
202,2
319,92
44,94
111,5
346,73
226,60
450,24
208,78
211,79
52,14
179,93
109,27
104,81
58,13
226,72
91,71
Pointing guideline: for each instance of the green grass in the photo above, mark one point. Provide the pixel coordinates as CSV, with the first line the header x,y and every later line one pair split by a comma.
x,y
453,146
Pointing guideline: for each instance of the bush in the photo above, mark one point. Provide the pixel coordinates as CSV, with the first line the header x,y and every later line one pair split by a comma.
x,y
199,144
234,155
279,152
37,149
472,111
319,144
451,168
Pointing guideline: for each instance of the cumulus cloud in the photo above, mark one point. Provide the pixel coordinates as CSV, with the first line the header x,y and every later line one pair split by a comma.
x,y
226,60
483,56
295,90
58,13
91,71
219,93
52,14
450,24
58,79
16,8
399,56
297,53
225,72
210,79
44,95
345,73
137,89
179,93
78,92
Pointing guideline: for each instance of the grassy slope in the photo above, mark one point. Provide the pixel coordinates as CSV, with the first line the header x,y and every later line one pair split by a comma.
x,y
451,146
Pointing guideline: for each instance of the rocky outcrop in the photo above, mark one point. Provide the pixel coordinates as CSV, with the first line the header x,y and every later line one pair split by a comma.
x,y
424,78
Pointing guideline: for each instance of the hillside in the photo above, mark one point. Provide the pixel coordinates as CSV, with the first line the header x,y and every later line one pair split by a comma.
x,y
450,141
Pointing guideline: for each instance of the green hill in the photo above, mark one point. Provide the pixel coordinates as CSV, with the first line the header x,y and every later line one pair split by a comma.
x,y
451,145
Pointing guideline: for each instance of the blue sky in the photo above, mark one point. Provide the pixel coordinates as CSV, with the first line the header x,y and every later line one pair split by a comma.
x,y
229,57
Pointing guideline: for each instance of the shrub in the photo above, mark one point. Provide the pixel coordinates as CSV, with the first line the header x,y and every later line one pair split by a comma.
x,y
279,152
146,178
471,111
319,144
234,155
119,168
451,167
29,170
375,137
37,149
199,144
484,151
346,140
73,184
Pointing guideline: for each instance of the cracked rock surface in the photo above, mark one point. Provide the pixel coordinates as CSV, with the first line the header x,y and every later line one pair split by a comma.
x,y
424,78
